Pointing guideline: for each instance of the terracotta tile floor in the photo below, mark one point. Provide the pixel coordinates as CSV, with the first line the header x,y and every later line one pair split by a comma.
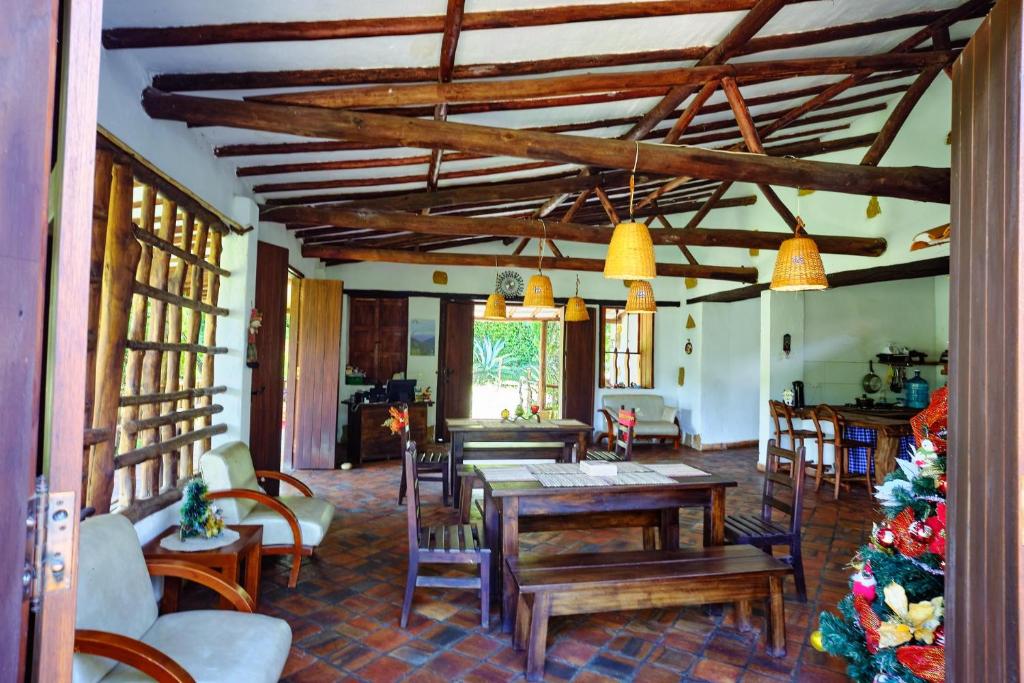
x,y
344,612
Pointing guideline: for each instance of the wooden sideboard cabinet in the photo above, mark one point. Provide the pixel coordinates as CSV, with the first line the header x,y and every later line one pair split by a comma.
x,y
369,440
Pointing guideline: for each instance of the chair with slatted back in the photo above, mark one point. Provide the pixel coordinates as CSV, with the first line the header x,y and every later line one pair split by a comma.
x,y
442,544
830,427
764,532
782,417
622,450
431,465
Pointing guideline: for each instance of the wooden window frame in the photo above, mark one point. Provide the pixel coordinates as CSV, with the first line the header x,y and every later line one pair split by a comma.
x,y
645,350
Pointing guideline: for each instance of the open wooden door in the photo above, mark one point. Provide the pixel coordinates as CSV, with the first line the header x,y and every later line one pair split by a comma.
x,y
318,359
42,421
985,572
268,376
455,375
579,369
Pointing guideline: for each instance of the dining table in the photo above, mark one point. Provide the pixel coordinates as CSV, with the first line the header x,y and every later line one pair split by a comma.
x,y
571,435
551,497
889,425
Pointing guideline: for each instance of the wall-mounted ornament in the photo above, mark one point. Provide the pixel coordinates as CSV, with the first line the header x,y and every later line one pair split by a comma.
x,y
803,192
786,344
440,277
682,376
688,348
874,208
509,284
690,322
255,322
690,282
949,138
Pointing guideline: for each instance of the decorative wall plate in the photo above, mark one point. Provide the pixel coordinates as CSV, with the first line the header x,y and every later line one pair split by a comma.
x,y
509,284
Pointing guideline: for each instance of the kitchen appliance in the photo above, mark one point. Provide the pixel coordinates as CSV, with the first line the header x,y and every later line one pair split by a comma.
x,y
798,394
872,383
916,392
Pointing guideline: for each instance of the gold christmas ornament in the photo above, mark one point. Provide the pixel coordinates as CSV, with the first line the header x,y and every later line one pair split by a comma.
x,y
631,250
576,307
641,298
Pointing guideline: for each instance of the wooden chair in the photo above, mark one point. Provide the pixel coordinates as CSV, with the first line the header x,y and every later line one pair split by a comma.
x,y
292,525
782,418
431,465
445,544
622,449
761,530
826,415
120,636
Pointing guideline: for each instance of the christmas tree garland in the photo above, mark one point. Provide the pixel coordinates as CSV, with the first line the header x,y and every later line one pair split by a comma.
x,y
890,627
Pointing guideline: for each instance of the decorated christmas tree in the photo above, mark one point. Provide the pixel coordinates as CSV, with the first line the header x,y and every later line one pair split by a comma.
x,y
197,516
890,627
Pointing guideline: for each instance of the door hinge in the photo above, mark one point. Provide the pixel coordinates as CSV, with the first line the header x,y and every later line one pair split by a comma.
x,y
48,549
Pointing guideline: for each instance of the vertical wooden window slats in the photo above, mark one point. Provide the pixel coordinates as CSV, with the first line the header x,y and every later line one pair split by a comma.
x,y
155,435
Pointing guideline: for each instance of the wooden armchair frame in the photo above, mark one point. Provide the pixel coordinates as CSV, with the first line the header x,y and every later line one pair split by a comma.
x,y
609,434
296,549
147,658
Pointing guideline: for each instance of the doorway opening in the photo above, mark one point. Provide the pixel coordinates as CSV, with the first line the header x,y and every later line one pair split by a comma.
x,y
517,362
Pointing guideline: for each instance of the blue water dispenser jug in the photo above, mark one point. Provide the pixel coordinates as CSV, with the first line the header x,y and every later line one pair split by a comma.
x,y
915,391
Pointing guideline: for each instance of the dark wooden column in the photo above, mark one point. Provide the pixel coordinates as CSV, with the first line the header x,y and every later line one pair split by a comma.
x,y
983,625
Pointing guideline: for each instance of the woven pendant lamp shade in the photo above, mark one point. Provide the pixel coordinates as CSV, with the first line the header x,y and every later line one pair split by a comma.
x,y
630,253
576,310
495,308
538,292
641,298
798,266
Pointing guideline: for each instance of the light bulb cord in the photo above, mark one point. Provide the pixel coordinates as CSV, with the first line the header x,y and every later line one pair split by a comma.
x,y
540,248
632,180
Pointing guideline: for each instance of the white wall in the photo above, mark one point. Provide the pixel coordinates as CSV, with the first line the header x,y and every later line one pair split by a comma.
x,y
730,377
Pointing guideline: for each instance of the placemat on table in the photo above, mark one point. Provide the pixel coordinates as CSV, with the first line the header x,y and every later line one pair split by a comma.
x,y
570,480
195,544
555,468
494,474
631,467
638,478
676,469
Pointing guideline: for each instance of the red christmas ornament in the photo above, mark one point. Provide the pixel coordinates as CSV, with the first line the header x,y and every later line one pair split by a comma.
x,y
885,537
906,542
869,621
864,585
940,635
940,485
920,532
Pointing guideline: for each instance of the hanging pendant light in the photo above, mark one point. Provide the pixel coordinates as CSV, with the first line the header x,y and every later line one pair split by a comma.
x,y
798,266
495,307
631,251
538,287
576,307
641,298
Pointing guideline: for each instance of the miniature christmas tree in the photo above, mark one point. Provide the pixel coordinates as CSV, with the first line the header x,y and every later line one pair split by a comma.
x,y
890,627
198,517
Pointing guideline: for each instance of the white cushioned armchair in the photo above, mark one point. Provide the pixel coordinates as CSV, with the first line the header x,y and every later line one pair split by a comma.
x,y
119,637
654,419
292,525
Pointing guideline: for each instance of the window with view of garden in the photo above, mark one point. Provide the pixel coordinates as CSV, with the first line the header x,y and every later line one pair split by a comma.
x,y
627,349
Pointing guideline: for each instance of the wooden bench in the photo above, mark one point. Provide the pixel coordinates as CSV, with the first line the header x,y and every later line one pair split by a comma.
x,y
557,585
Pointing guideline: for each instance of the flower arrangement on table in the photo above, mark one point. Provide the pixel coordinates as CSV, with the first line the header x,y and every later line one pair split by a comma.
x,y
398,420
198,517
896,634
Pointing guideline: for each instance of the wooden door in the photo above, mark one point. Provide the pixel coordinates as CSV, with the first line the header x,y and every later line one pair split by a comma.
x,y
37,411
455,375
318,357
392,337
984,586
362,335
579,369
268,376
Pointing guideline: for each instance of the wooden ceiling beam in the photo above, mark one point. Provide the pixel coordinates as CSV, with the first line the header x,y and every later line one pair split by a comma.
x,y
245,80
390,221
404,95
899,115
376,27
729,273
918,183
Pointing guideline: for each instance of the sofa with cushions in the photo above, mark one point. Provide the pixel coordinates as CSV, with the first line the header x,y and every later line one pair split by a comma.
x,y
654,419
